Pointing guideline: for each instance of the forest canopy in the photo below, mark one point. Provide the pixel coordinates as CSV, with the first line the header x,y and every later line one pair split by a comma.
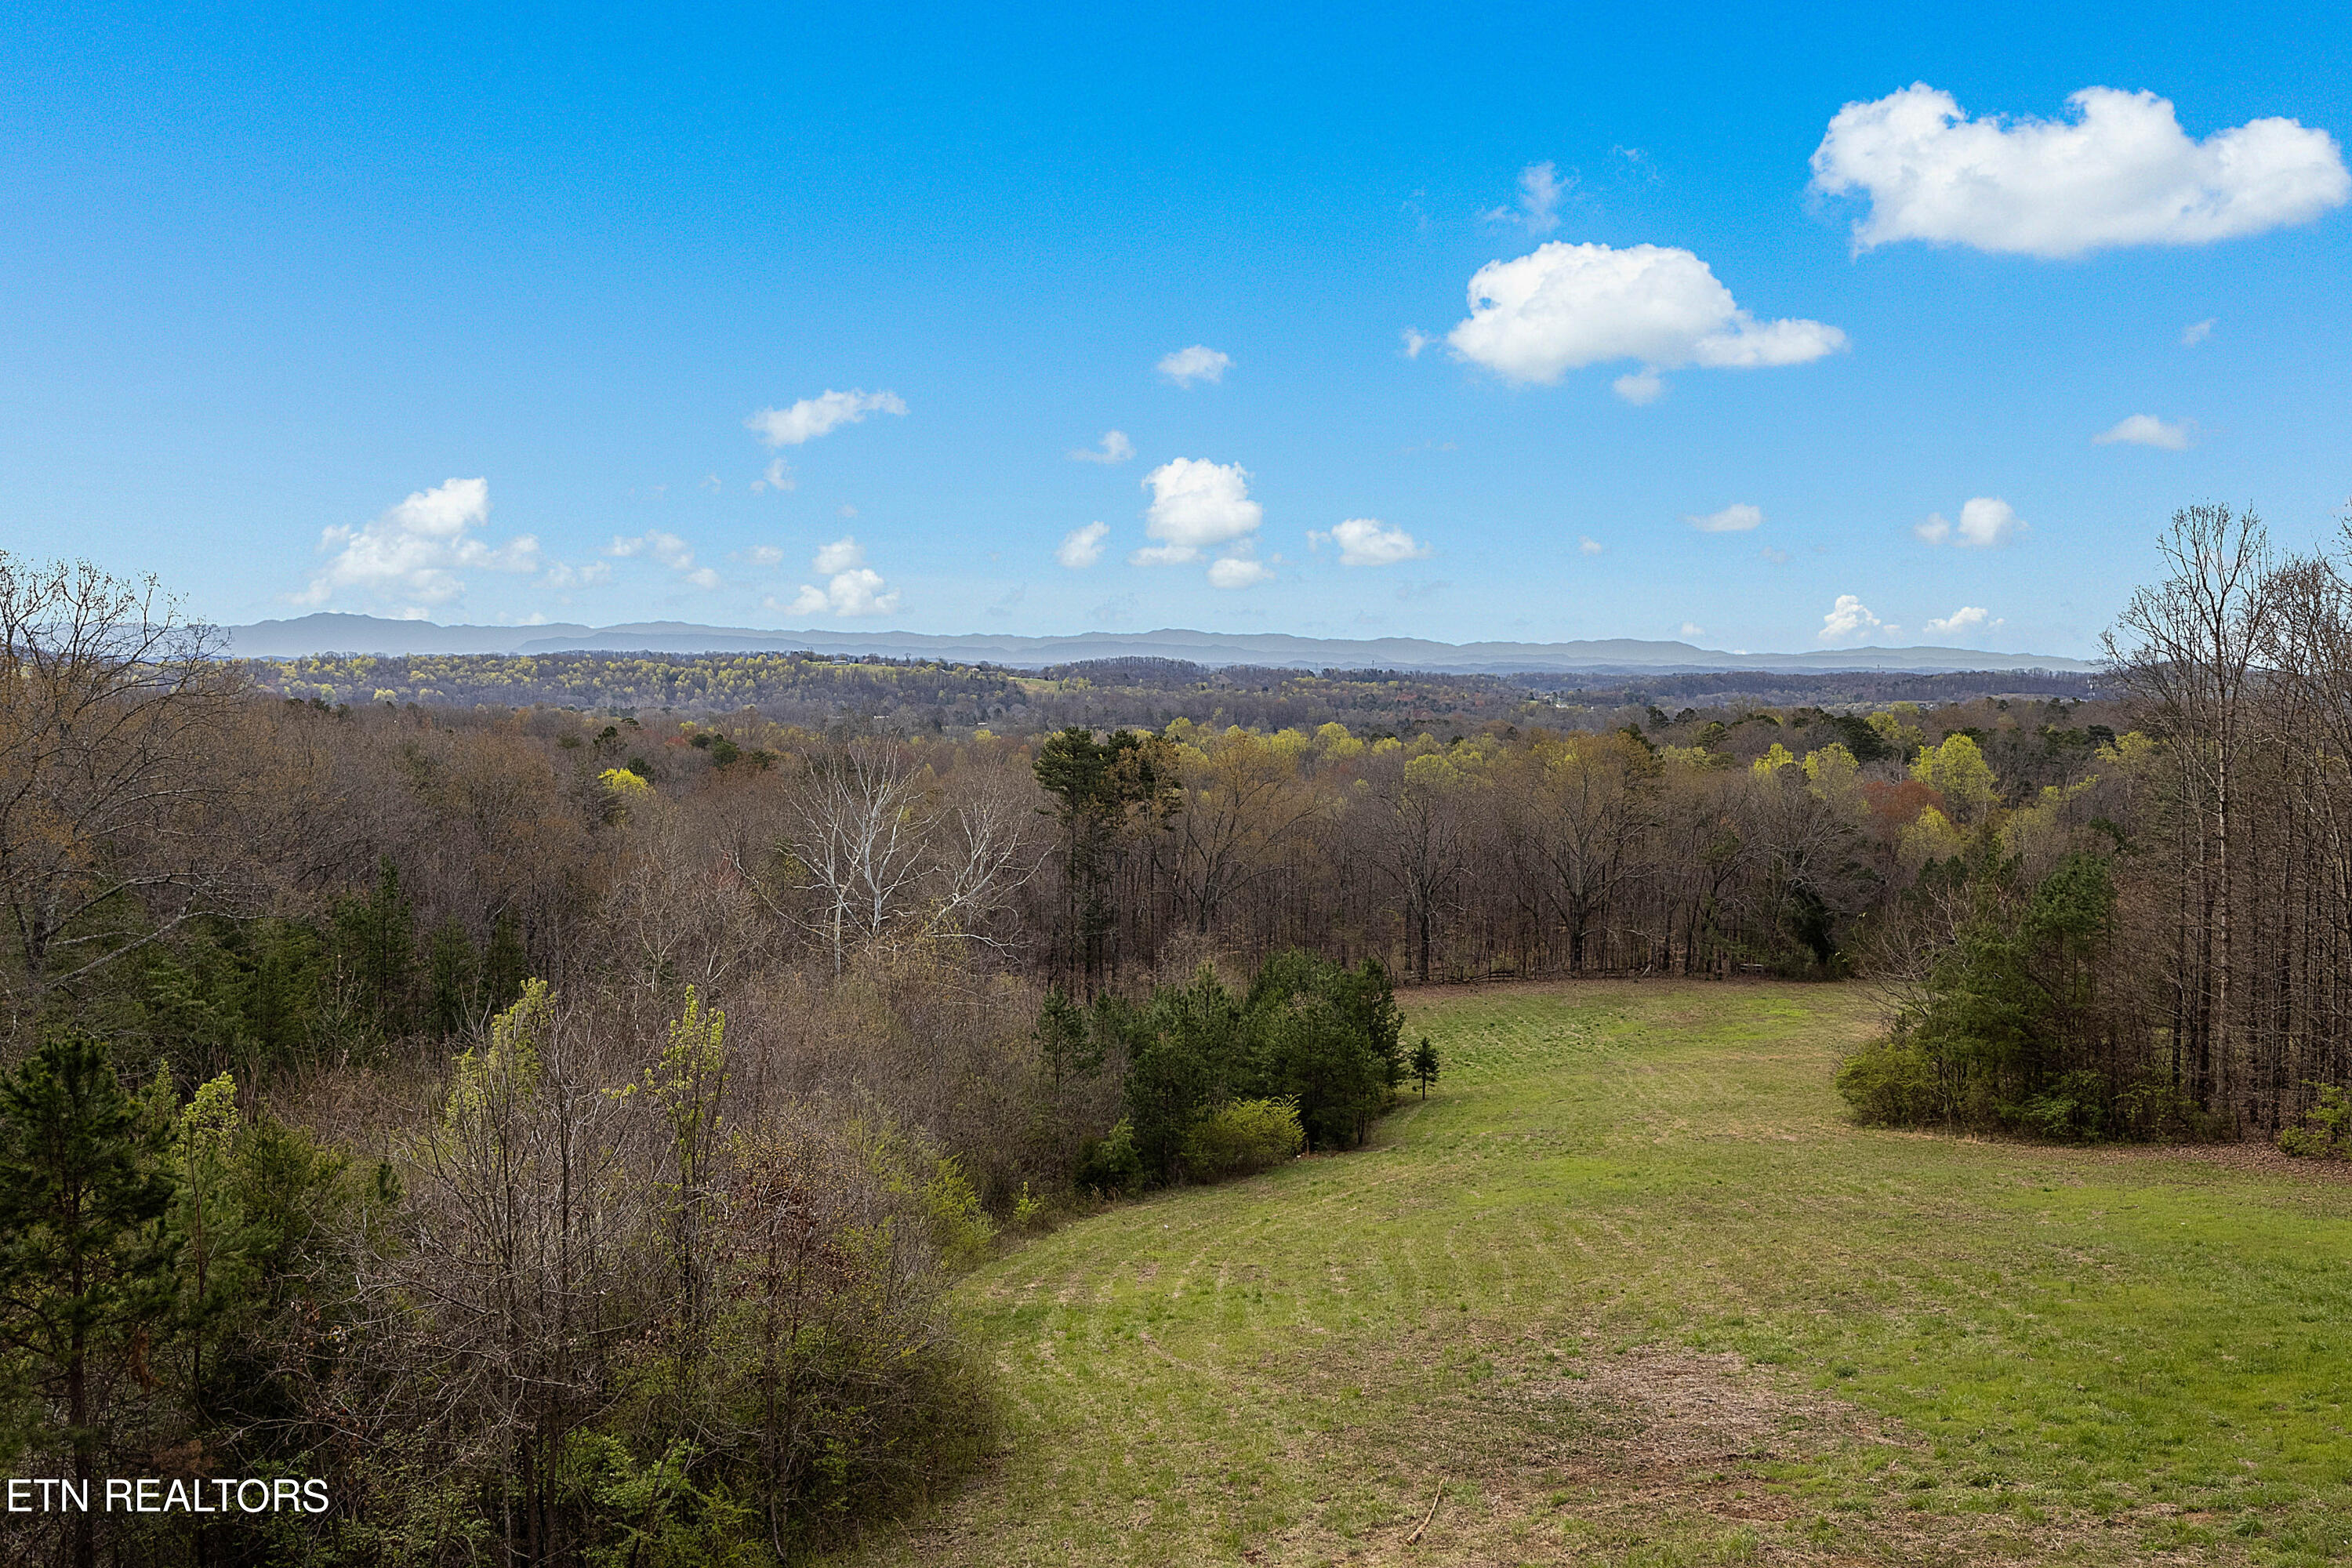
x,y
549,1097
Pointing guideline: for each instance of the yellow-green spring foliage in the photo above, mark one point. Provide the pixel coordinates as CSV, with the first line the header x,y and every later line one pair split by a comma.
x,y
1243,1137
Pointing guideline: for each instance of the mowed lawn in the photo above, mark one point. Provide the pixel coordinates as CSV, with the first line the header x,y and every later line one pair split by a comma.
x,y
1630,1289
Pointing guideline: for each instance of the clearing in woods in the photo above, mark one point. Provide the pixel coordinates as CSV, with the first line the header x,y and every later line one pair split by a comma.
x,y
1629,1289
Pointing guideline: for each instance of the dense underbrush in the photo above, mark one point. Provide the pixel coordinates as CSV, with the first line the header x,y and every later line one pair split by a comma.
x,y
2021,1016
607,1280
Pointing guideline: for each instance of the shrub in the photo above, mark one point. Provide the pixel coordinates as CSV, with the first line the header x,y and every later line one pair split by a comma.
x,y
2325,1132
960,1227
1242,1139
2073,1107
838,1386
1109,1164
1891,1084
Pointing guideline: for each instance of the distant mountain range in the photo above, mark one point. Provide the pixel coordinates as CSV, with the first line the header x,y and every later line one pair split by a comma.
x,y
346,633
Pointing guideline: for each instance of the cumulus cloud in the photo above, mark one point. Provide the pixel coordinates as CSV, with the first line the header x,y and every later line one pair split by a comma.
x,y
762,555
1196,506
1640,387
1415,340
1115,448
2196,332
2118,171
1238,571
412,554
2147,430
840,555
851,587
671,550
563,575
1368,542
1082,547
1985,521
1199,362
667,548
1966,618
814,416
1564,306
776,476
1848,619
1540,189
857,593
1589,545
1692,629
1736,518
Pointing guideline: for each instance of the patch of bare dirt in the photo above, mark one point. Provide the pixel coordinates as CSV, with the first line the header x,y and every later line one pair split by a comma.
x,y
1666,1454
1663,1410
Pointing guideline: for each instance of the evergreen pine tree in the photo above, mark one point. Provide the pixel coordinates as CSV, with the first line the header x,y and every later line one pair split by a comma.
x,y
1425,1065
85,1264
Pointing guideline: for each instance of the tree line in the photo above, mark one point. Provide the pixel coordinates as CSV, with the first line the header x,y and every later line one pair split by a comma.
x,y
557,1127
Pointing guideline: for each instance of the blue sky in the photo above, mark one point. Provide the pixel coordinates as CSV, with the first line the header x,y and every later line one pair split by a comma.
x,y
276,279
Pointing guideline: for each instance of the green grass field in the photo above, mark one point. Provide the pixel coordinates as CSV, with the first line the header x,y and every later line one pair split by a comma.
x,y
1629,1289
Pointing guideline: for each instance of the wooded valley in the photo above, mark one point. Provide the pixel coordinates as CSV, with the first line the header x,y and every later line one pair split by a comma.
x,y
556,1122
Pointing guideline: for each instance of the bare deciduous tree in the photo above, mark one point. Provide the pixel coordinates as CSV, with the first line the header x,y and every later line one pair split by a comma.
x,y
110,707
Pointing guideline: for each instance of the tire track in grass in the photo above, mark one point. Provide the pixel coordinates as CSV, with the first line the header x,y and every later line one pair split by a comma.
x,y
1661,1169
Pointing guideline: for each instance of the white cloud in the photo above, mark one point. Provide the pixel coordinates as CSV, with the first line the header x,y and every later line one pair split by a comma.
x,y
1589,546
1238,571
711,482
1082,547
2147,430
1966,618
814,416
667,548
777,475
564,575
1115,448
2119,171
762,555
1196,505
1692,629
2196,332
1563,306
1736,518
851,587
853,593
840,555
1776,557
412,552
1415,340
1368,542
1640,387
1199,362
1849,617
1540,189
671,550
1985,521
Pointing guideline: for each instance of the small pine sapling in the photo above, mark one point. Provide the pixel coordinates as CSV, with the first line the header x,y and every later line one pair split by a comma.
x,y
1425,1065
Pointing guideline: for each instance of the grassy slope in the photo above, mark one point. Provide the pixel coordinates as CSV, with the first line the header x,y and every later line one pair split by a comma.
x,y
1629,1289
